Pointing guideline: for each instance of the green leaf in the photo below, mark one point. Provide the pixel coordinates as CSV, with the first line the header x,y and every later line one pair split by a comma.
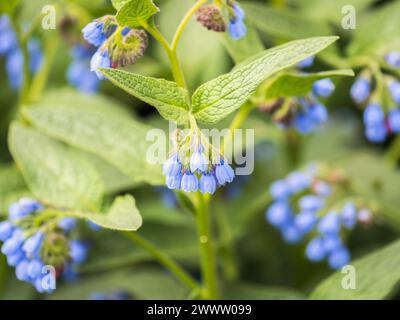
x,y
93,126
122,215
245,47
217,98
377,274
118,4
298,84
169,99
54,173
134,13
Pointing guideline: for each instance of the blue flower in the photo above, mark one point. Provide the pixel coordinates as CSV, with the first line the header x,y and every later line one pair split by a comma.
x,y
331,242
307,62
224,173
198,162
208,184
360,90
14,68
298,181
394,88
323,87
393,58
279,214
8,39
100,60
237,28
35,55
376,133
349,215
373,114
330,224
78,251
292,234
311,203
23,207
94,33
12,245
280,189
315,250
35,268
394,120
322,188
21,270
67,223
305,221
339,258
93,226
174,182
303,123
189,182
172,166
80,76
318,113
33,245
6,230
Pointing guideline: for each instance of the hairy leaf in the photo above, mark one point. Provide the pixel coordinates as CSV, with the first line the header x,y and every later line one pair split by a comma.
x,y
133,13
55,173
377,274
169,99
218,98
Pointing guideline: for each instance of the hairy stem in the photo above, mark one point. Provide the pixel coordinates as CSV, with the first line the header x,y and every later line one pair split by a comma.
x,y
207,251
164,259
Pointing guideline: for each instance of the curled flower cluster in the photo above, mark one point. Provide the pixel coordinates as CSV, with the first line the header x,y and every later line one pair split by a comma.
x,y
195,165
14,57
78,73
300,209
31,243
211,17
381,110
117,46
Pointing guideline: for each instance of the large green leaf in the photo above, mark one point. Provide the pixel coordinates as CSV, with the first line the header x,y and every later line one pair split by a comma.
x,y
218,98
377,275
55,173
107,132
298,84
169,99
134,13
118,4
122,215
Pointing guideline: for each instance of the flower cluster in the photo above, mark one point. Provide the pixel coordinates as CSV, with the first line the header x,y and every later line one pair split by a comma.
x,y
78,73
211,17
33,239
195,165
117,46
302,207
379,94
14,56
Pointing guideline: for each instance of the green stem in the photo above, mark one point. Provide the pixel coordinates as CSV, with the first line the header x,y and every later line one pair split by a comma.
x,y
207,252
164,259
184,22
392,155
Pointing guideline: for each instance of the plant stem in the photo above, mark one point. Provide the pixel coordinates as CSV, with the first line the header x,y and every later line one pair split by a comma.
x,y
184,22
207,252
164,259
392,155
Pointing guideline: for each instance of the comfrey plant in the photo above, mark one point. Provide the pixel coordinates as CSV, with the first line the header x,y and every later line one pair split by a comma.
x,y
211,17
377,90
35,239
194,169
308,205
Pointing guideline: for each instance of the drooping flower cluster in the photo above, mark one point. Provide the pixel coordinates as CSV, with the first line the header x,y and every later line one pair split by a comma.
x,y
379,94
195,165
78,73
9,47
211,17
117,46
302,208
35,240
